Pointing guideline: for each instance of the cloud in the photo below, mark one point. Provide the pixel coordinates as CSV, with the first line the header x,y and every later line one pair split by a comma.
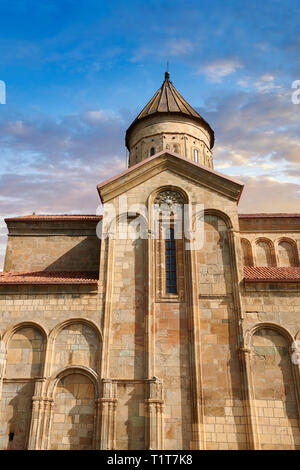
x,y
173,47
266,83
53,166
215,71
258,142
177,47
255,127
265,194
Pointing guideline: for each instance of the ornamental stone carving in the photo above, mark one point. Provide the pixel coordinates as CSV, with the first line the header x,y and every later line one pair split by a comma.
x,y
169,198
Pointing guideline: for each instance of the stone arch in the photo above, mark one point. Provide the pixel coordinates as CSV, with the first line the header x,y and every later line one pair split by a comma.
x,y
27,364
274,386
272,326
168,187
25,359
287,252
25,324
221,381
74,391
216,250
247,252
65,371
76,341
222,215
264,252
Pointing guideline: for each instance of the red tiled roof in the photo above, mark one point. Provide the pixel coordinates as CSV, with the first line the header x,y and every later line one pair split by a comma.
x,y
48,277
271,274
54,218
266,215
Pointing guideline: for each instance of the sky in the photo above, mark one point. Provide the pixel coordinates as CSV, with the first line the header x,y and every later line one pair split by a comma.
x,y
78,72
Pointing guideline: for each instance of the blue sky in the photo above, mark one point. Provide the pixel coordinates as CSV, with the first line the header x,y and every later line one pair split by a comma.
x,y
78,72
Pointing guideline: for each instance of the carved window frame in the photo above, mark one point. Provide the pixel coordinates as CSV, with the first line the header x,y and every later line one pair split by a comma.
x,y
160,252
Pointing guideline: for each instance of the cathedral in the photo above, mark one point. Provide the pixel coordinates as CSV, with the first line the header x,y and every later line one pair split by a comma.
x,y
149,342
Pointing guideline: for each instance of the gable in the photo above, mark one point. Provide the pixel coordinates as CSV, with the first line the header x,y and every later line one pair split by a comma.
x,y
181,166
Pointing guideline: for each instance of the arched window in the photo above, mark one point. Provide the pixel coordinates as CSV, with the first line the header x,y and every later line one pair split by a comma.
x,y
274,386
171,278
196,155
287,253
152,151
169,244
247,252
265,253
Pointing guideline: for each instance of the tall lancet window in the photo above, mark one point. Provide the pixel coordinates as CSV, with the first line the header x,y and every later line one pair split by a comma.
x,y
169,244
170,251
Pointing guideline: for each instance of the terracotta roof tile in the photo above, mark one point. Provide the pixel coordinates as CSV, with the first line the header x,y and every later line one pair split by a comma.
x,y
54,218
271,274
48,277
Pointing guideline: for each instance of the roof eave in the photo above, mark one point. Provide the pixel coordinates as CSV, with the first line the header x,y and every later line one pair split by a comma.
x,y
162,157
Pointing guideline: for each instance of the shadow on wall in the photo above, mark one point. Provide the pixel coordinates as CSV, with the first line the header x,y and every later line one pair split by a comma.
x,y
19,423
73,417
274,384
221,373
140,306
85,256
130,425
185,378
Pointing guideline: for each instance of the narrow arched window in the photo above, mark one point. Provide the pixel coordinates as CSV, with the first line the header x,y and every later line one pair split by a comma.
x,y
152,151
171,278
196,155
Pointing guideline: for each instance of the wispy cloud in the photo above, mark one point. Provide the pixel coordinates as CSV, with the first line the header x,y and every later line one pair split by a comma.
x,y
215,71
54,166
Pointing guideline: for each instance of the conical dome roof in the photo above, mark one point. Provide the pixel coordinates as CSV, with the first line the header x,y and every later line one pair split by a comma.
x,y
168,100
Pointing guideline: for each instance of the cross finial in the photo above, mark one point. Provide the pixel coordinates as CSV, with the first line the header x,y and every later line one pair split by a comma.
x,y
167,75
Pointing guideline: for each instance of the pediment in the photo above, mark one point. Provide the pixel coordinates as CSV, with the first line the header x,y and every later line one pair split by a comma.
x,y
181,166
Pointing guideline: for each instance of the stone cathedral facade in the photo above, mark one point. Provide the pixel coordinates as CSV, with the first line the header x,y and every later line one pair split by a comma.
x,y
140,343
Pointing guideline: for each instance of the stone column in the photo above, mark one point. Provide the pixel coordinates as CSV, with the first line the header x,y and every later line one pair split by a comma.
x,y
107,415
44,423
48,423
37,403
36,415
295,358
249,399
154,410
2,364
185,147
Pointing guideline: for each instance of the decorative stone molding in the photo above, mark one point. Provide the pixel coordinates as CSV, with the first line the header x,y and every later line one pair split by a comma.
x,y
168,198
154,409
